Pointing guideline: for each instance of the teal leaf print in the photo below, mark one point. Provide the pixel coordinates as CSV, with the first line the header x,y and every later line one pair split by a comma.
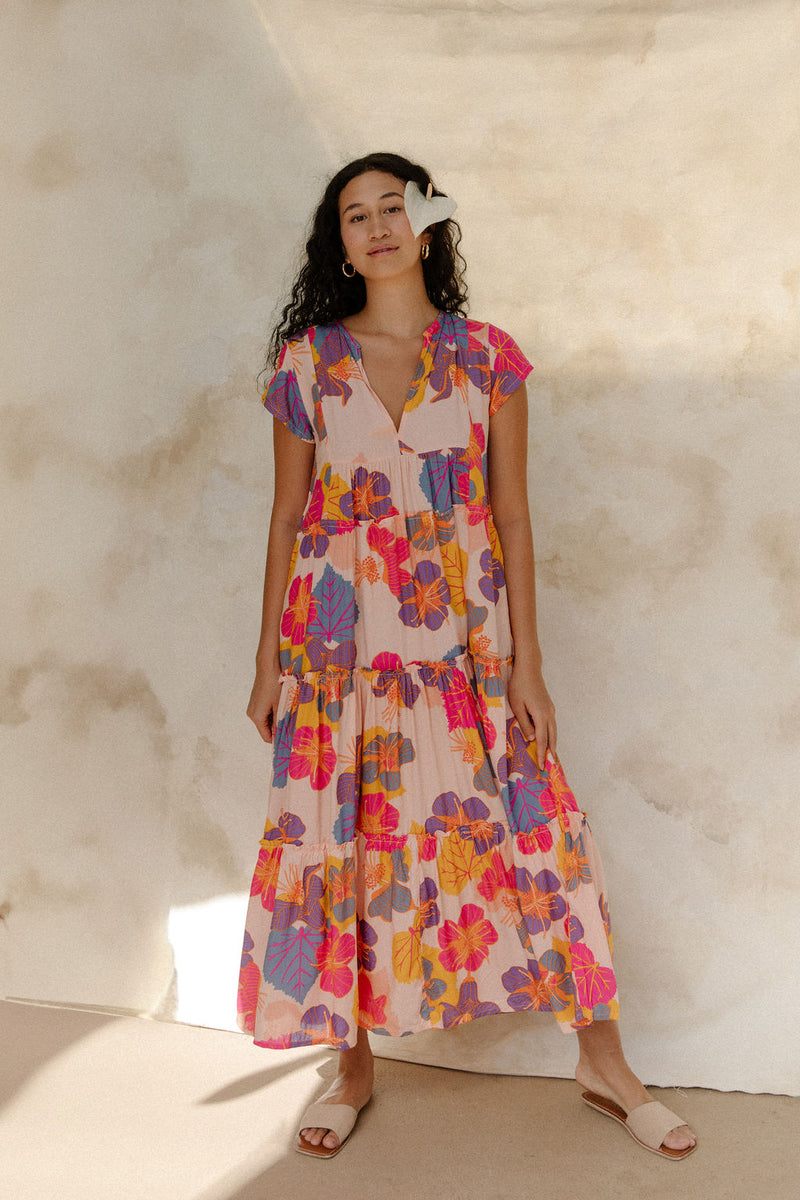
x,y
432,989
526,806
342,884
483,780
344,829
290,963
394,896
551,960
435,482
400,866
336,609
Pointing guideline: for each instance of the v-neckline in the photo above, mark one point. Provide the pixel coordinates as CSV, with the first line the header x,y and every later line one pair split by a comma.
x,y
427,335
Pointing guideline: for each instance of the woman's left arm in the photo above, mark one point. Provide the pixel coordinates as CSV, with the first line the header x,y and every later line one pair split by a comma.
x,y
508,497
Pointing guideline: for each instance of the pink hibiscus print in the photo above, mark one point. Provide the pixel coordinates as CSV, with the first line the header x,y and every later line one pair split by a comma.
x,y
313,755
466,944
595,984
299,611
376,815
333,958
371,1008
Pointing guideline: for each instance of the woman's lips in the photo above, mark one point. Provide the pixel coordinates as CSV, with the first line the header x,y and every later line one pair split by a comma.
x,y
381,250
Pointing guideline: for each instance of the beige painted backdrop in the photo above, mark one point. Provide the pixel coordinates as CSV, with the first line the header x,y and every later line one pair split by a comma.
x,y
627,184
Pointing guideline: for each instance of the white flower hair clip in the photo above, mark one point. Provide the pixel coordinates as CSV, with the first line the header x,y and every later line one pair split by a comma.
x,y
423,211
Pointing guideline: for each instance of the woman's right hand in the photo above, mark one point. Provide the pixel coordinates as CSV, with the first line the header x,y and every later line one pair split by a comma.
x,y
263,705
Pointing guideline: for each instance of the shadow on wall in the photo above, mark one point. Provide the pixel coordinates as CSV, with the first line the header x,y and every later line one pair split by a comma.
x,y
119,520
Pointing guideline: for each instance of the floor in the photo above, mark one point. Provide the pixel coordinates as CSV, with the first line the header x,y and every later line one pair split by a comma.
x,y
101,1107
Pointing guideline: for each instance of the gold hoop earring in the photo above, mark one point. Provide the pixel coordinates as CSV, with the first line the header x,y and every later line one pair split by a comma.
x,y
348,274
425,251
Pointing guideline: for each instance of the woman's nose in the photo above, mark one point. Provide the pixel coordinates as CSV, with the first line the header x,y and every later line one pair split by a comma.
x,y
377,226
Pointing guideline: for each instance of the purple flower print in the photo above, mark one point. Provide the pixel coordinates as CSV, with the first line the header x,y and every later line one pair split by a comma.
x,y
366,938
440,377
426,596
469,1006
522,761
539,899
282,747
305,906
323,1026
290,829
545,986
398,684
334,367
428,908
478,369
437,674
494,576
316,538
470,818
369,498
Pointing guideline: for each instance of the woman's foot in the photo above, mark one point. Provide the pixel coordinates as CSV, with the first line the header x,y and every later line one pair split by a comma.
x,y
602,1068
352,1085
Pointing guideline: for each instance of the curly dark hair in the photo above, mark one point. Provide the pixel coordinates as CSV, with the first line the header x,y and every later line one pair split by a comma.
x,y
322,294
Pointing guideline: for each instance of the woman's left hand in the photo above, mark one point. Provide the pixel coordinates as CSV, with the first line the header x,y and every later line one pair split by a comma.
x,y
531,704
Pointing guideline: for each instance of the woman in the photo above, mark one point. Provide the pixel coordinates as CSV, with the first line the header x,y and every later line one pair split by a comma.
x,y
424,862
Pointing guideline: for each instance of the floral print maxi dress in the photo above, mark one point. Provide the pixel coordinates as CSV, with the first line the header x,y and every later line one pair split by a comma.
x,y
417,869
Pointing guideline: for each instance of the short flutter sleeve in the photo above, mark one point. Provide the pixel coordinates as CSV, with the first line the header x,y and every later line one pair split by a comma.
x,y
508,367
283,397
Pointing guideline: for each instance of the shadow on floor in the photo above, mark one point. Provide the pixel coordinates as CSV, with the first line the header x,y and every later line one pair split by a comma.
x,y
248,1084
433,1132
31,1035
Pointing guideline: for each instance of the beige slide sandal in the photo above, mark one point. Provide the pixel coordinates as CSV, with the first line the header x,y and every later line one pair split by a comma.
x,y
648,1124
341,1118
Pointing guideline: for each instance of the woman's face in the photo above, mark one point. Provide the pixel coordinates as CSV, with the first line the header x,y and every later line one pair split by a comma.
x,y
376,235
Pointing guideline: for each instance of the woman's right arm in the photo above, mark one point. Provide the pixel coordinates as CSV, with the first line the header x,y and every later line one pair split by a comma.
x,y
294,461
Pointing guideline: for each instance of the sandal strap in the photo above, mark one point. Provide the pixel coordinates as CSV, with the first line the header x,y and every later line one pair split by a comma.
x,y
651,1122
339,1117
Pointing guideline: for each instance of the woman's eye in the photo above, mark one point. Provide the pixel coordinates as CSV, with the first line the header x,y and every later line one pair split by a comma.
x,y
392,208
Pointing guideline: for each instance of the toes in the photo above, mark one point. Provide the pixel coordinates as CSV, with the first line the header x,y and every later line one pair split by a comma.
x,y
314,1135
680,1138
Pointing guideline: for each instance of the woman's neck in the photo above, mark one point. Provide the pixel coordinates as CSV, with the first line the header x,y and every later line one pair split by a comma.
x,y
395,306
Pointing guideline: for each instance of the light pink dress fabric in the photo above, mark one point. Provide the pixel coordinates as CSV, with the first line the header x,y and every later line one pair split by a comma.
x,y
417,869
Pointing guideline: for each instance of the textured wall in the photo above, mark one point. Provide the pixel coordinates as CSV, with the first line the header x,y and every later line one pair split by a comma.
x,y
626,178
